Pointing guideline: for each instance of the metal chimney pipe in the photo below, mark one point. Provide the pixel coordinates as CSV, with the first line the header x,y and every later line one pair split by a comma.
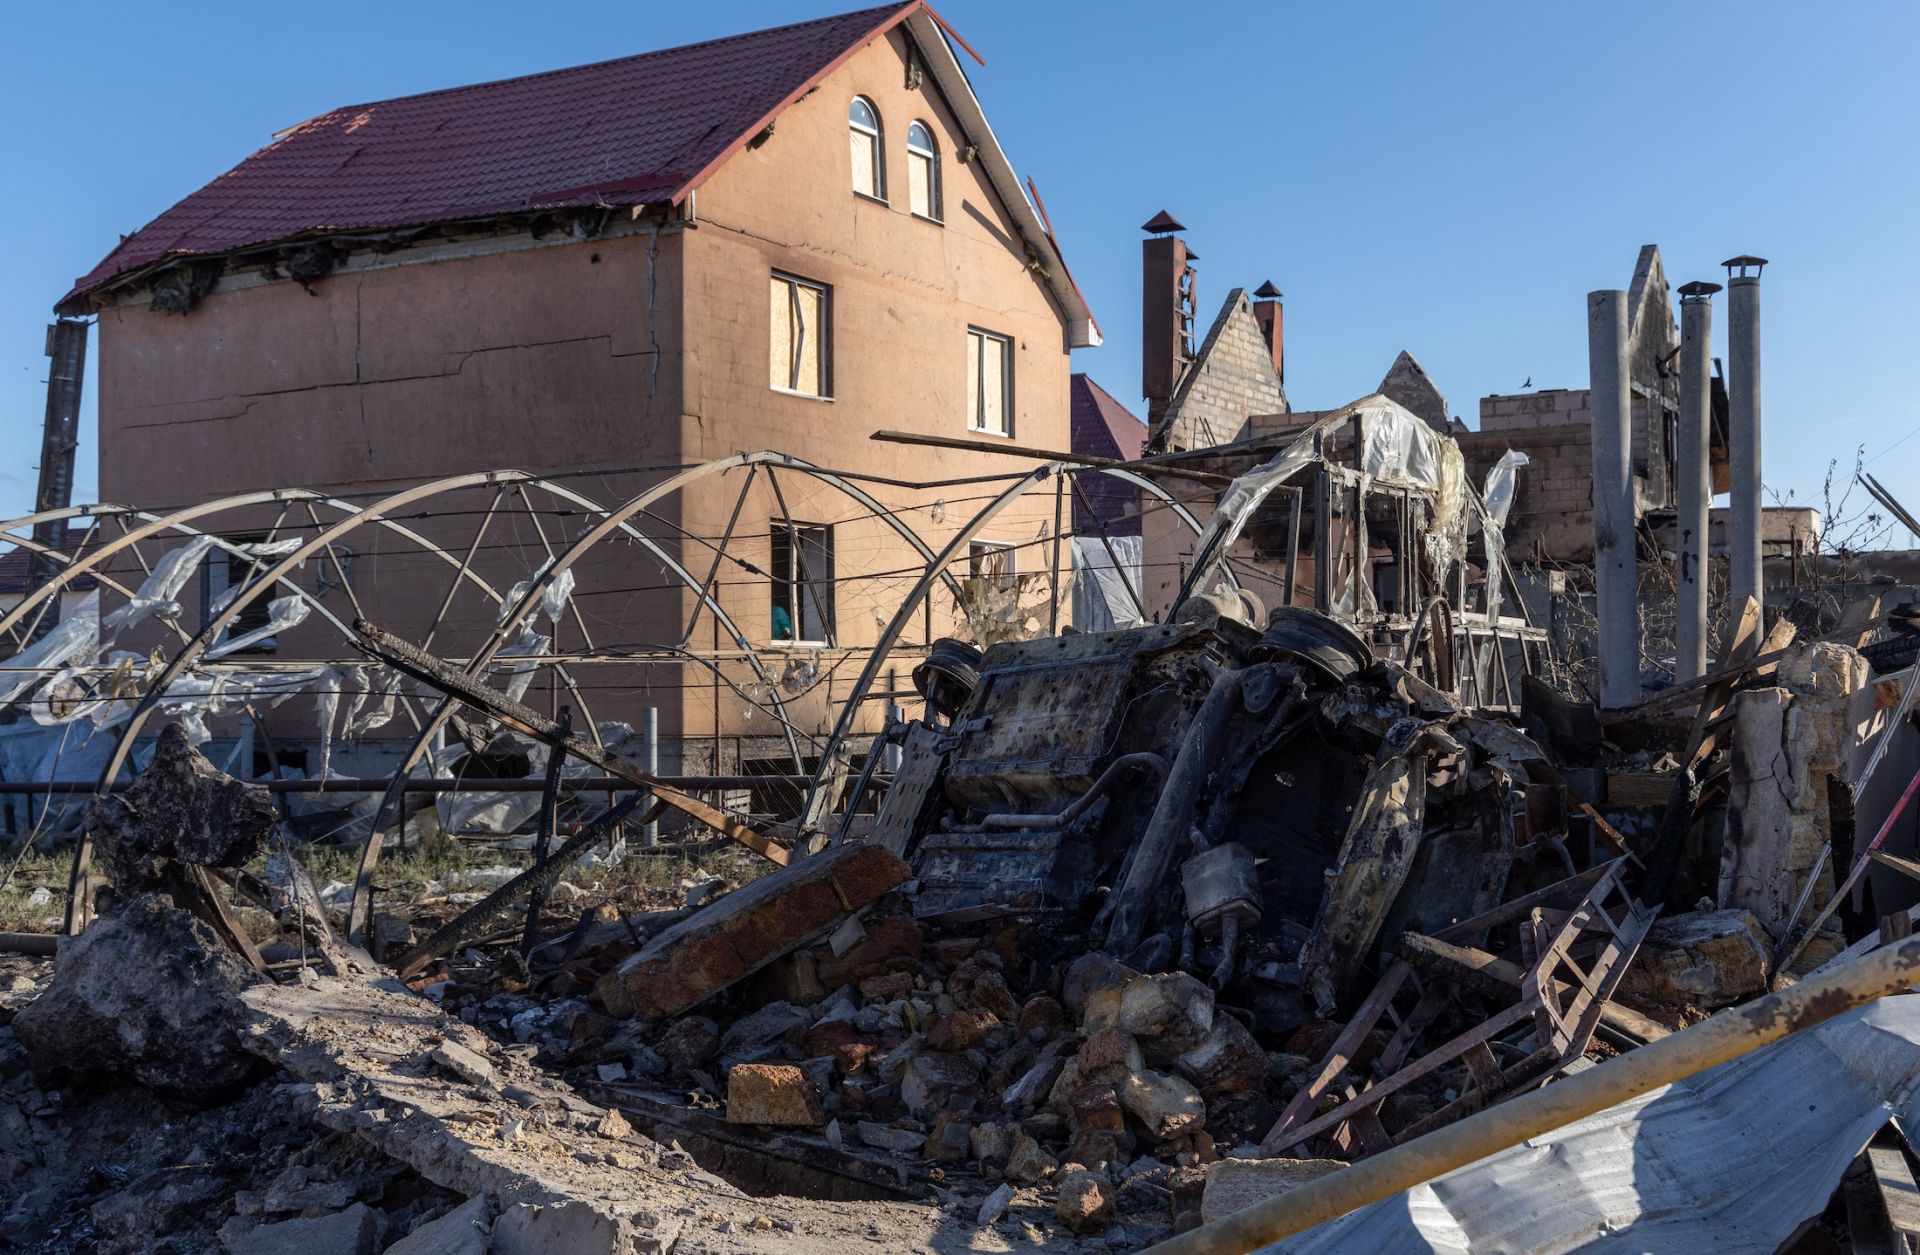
x,y
1695,473
1614,573
1744,579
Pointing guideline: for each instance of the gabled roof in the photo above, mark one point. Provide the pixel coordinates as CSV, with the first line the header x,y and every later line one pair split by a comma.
x,y
639,130
1104,428
14,564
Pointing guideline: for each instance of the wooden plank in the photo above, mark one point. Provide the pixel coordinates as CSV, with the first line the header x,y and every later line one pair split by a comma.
x,y
1373,1095
1866,1215
1492,974
1572,889
1339,1053
1608,833
1897,1190
410,660
1905,866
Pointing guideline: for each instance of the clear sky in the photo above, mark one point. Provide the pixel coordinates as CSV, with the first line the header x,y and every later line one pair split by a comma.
x,y
1451,179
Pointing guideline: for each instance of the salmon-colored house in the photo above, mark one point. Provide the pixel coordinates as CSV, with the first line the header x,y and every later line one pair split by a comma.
x,y
781,240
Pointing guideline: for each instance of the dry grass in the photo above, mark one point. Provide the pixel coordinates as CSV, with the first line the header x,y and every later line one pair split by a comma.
x,y
419,873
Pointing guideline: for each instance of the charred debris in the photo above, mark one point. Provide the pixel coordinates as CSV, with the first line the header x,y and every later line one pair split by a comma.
x,y
1141,927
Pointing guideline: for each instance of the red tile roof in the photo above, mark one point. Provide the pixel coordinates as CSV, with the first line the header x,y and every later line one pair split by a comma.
x,y
14,563
1104,428
639,130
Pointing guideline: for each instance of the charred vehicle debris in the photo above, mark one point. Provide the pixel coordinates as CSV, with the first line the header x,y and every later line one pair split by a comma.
x,y
1130,934
706,763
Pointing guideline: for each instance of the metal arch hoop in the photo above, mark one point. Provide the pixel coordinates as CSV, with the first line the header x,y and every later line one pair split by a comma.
x,y
218,623
615,520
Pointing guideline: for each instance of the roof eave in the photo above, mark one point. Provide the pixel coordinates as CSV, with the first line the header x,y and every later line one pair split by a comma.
x,y
1082,331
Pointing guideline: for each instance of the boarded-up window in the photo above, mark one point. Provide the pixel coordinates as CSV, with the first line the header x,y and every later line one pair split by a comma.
x,y
802,564
863,134
799,352
923,172
989,382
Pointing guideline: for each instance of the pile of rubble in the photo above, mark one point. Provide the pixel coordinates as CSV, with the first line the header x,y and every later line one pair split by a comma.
x,y
1146,926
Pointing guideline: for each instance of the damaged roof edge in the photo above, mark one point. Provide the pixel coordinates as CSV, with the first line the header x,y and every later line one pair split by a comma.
x,y
930,33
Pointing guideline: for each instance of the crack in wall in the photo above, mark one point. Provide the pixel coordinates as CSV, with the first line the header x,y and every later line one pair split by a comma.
x,y
248,400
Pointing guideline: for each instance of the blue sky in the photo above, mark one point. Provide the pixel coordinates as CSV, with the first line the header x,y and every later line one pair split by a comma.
x,y
1450,179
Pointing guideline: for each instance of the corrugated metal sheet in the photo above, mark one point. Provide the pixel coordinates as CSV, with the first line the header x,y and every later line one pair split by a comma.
x,y
1731,1160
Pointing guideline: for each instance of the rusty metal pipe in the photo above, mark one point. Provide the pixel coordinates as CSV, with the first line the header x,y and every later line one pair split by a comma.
x,y
1078,807
1707,1044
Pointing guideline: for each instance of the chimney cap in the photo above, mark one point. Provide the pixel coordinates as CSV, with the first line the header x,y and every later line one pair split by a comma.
x,y
1162,222
1267,292
1698,288
1741,263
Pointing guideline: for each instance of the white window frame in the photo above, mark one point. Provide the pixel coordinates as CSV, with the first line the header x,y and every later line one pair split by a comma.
x,y
824,333
815,588
978,551
977,362
877,133
929,153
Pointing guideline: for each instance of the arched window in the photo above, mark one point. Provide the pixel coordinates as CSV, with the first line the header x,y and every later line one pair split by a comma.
x,y
863,130
923,172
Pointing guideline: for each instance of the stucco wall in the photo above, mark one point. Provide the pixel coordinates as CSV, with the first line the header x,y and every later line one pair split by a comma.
x,y
630,350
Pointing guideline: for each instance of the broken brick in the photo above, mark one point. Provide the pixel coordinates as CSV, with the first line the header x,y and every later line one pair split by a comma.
x,y
772,1093
1108,1055
1084,1202
1168,1106
1096,1108
887,987
688,1043
932,1079
963,1030
891,943
1044,1013
950,1140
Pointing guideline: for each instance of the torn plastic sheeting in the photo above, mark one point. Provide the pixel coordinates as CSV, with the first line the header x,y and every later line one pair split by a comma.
x,y
519,674
30,751
76,636
157,592
495,813
1719,1161
1400,446
1101,602
1237,505
263,549
374,716
282,613
98,692
1502,481
326,704
553,598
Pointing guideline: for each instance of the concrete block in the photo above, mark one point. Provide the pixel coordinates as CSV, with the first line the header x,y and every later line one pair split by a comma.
x,y
1235,1184
1108,1055
1705,959
570,1228
355,1231
748,929
463,1231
